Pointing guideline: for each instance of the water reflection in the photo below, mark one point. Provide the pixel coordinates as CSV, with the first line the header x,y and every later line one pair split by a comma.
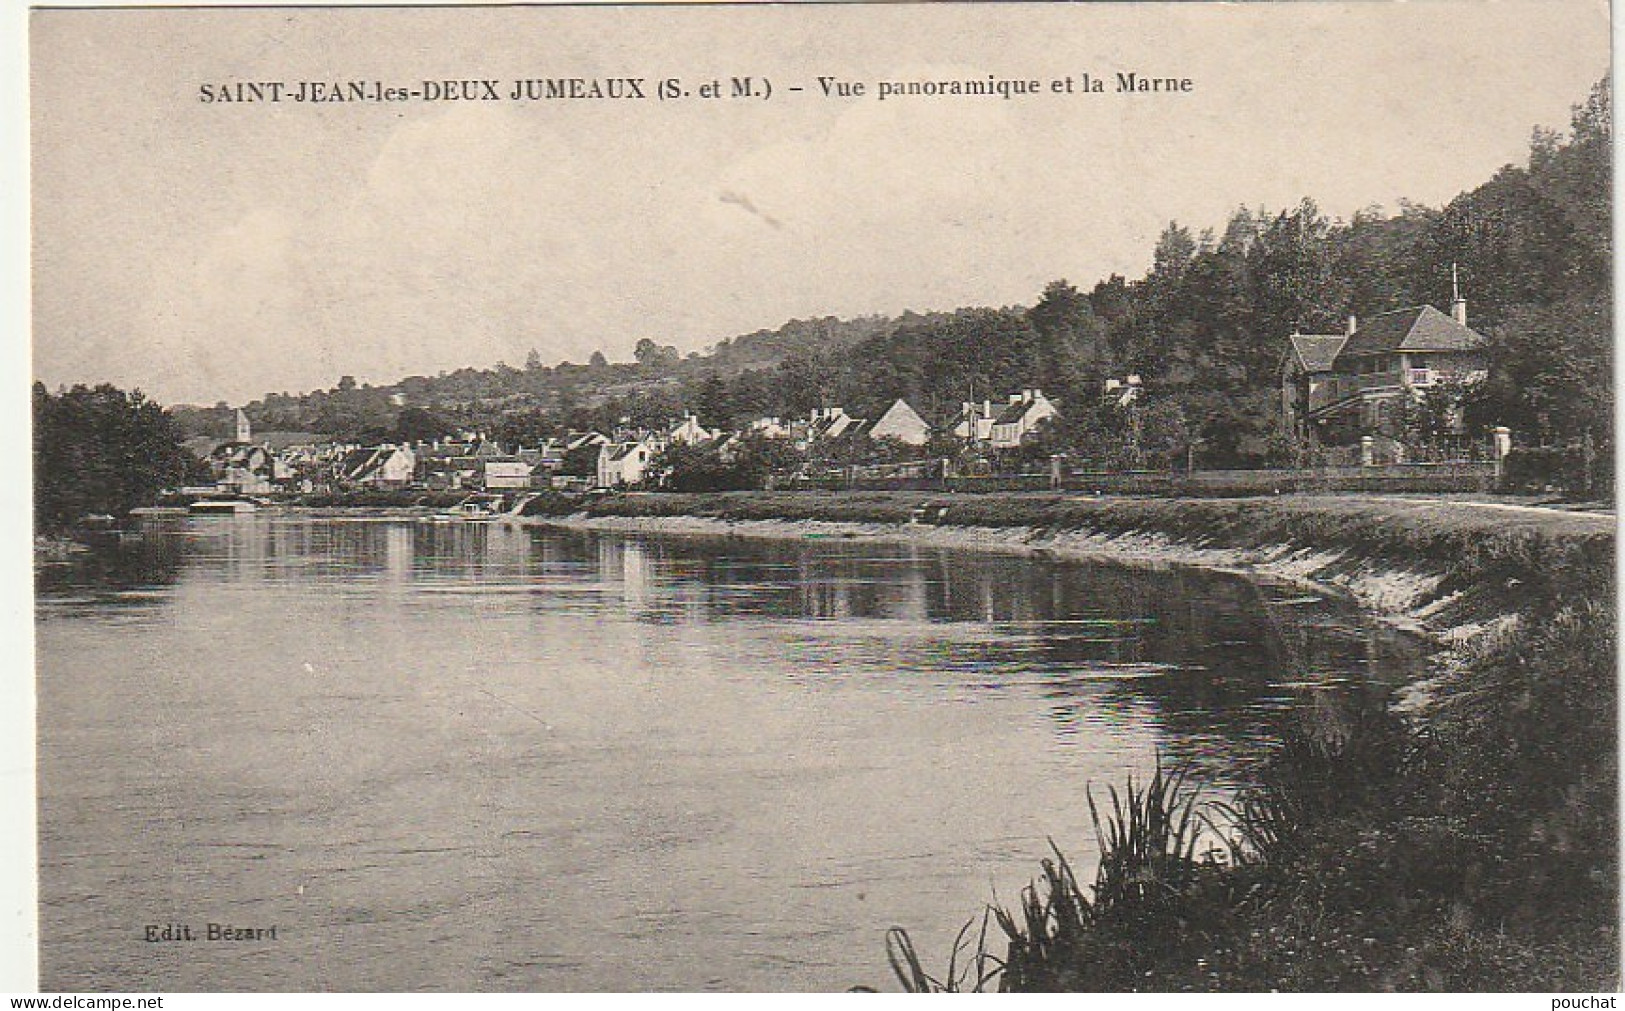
x,y
434,751
1216,664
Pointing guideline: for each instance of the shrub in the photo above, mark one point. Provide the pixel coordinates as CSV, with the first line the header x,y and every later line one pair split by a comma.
x,y
1570,469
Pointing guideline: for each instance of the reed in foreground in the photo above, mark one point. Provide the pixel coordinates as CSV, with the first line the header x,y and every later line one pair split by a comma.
x,y
1473,850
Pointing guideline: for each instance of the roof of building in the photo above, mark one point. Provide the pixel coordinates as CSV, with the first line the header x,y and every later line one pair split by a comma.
x,y
576,439
280,440
1014,411
357,462
830,426
1419,328
1317,351
900,413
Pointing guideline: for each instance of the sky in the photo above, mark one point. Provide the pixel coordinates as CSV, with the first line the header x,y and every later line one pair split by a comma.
x,y
205,252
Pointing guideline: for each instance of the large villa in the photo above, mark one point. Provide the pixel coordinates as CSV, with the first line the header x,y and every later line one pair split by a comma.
x,y
1335,387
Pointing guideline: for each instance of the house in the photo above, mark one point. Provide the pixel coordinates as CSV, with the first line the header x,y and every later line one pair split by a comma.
x,y
903,423
448,464
771,428
503,474
622,463
974,423
385,466
727,446
1020,417
240,468
1122,392
543,461
1393,355
1306,370
829,423
689,432
575,440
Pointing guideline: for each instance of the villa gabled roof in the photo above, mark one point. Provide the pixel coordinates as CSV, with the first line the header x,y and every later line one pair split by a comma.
x,y
1316,351
1420,328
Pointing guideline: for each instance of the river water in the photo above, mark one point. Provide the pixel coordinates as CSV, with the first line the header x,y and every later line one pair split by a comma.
x,y
491,757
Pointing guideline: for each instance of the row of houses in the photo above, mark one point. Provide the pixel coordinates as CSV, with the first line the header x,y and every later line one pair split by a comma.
x,y
986,425
302,462
1334,388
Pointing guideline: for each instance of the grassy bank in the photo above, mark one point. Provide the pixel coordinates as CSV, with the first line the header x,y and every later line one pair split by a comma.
x,y
1472,847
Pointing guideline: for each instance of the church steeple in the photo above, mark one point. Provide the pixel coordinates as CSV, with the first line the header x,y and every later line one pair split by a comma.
x,y
245,432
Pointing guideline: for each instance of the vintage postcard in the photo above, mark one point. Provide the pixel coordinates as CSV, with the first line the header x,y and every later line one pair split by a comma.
x,y
778,497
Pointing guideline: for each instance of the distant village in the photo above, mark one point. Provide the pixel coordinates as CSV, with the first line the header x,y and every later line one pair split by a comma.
x,y
273,462
1336,390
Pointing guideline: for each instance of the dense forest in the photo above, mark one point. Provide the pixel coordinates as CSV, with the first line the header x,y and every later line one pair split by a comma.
x,y
1206,328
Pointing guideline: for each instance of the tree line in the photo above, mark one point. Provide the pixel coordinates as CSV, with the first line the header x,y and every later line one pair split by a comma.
x,y
1205,328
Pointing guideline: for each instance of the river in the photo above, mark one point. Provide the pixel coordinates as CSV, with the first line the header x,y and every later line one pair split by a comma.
x,y
493,757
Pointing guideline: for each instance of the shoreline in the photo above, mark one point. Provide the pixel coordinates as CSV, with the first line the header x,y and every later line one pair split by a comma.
x,y
1391,595
1451,571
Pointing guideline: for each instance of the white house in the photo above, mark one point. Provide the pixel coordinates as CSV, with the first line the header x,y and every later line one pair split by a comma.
x,y
575,440
771,428
623,462
975,422
505,474
1123,392
383,466
689,431
1019,417
903,423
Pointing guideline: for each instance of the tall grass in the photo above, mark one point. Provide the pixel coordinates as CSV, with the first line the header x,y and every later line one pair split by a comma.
x,y
1149,836
972,975
1312,776
1476,849
1147,844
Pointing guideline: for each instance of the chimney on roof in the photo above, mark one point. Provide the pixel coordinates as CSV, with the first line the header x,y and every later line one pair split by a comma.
x,y
1354,324
1458,305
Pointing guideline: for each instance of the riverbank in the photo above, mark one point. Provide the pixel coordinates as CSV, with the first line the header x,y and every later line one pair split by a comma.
x,y
1468,845
1453,569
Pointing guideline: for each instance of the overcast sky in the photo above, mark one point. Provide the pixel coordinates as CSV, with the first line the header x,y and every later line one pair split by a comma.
x,y
217,252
